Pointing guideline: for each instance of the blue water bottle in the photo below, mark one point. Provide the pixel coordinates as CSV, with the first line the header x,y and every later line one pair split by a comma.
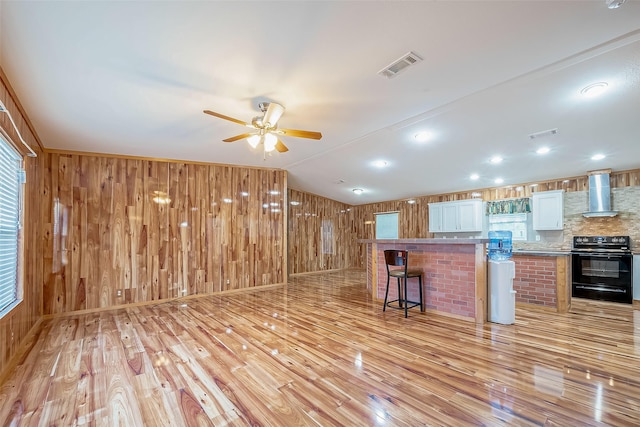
x,y
500,245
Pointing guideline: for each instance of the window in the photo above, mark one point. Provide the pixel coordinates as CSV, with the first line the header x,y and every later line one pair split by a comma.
x,y
517,224
387,225
10,201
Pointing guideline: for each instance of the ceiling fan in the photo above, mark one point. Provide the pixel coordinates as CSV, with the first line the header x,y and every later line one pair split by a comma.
x,y
266,131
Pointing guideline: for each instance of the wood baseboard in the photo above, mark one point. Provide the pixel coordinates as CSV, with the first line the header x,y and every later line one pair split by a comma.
x,y
23,349
160,301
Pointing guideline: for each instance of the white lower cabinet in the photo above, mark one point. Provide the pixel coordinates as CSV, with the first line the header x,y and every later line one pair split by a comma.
x,y
461,216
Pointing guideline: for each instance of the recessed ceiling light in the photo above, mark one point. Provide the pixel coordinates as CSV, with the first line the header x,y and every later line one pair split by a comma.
x,y
496,159
294,203
422,136
380,163
499,181
358,191
411,201
598,157
474,176
594,89
614,4
543,150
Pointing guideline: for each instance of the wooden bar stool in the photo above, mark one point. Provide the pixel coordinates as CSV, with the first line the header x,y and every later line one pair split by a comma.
x,y
399,258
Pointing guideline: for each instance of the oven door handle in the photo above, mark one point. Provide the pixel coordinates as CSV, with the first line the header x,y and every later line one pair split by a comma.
x,y
598,288
600,255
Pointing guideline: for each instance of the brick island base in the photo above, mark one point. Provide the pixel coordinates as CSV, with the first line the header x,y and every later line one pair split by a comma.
x,y
543,279
455,274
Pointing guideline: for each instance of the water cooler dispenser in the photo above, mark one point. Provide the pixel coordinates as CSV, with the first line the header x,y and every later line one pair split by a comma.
x,y
502,297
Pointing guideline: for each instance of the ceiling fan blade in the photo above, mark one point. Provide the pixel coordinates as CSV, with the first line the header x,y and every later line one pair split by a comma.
x,y
281,147
300,133
273,114
237,137
231,119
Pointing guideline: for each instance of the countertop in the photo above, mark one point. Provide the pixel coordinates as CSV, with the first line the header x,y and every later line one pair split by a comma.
x,y
440,241
517,252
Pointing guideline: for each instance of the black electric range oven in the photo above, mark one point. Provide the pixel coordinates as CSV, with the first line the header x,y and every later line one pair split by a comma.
x,y
601,268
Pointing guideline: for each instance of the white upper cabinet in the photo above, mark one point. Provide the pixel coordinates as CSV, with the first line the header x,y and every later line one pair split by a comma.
x,y
548,210
435,217
460,216
470,215
450,214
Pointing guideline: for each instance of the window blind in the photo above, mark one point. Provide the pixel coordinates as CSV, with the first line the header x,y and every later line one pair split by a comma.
x,y
10,185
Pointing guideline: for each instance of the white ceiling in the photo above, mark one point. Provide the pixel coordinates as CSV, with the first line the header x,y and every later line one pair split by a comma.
x,y
132,78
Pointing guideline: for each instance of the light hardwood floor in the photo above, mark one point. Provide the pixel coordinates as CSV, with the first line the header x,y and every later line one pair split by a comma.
x,y
319,351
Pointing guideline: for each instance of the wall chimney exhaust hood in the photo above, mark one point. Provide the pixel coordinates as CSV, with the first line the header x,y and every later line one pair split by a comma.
x,y
599,194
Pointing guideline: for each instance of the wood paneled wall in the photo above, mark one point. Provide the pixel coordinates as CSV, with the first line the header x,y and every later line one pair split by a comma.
x,y
121,230
96,236
16,324
413,218
320,233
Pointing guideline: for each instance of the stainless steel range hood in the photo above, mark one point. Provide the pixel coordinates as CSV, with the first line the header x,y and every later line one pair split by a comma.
x,y
599,194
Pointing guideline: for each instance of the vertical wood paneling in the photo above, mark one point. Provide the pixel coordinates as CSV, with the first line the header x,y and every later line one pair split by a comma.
x,y
109,243
563,267
16,324
307,216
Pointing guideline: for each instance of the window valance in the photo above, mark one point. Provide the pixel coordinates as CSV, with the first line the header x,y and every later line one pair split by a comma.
x,y
510,206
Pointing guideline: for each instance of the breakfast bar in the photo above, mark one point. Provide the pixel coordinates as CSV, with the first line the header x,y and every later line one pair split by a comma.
x,y
455,274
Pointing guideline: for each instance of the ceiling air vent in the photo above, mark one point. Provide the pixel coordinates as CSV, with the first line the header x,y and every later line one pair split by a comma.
x,y
400,64
544,133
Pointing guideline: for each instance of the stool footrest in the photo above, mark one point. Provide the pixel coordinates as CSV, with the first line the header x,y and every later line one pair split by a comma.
x,y
411,304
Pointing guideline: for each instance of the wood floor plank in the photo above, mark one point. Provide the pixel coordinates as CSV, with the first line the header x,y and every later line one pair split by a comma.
x,y
320,351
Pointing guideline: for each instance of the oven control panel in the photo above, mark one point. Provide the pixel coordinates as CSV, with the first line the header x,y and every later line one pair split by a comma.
x,y
596,243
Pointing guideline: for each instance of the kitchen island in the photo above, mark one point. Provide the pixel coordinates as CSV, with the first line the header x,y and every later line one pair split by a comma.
x,y
543,279
455,274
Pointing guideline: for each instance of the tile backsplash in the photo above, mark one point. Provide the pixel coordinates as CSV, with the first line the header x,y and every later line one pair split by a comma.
x,y
625,200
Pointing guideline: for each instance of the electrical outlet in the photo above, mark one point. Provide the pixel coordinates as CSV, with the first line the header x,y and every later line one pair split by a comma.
x,y
228,281
537,238
119,292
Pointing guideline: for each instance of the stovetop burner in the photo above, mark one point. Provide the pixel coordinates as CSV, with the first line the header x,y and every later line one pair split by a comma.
x,y
602,244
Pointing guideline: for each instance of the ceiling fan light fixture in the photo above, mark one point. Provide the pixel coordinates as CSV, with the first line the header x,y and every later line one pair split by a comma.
x,y
270,141
272,114
254,140
266,131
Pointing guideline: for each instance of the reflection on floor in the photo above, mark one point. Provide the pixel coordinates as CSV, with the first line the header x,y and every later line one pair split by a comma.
x,y
319,351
